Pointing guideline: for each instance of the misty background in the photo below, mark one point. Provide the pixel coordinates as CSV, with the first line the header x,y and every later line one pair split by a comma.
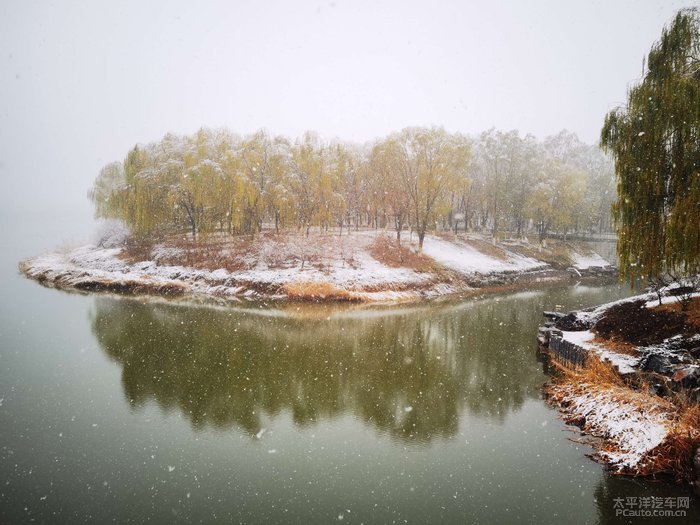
x,y
82,82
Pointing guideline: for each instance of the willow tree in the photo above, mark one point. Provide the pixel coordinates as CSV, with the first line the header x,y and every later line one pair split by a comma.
x,y
433,161
256,160
143,201
307,178
388,167
655,141
109,182
556,193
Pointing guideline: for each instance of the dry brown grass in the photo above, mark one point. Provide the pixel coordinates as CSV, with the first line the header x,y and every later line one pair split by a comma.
x,y
692,314
269,249
674,456
387,251
596,372
487,248
137,250
208,254
315,291
202,254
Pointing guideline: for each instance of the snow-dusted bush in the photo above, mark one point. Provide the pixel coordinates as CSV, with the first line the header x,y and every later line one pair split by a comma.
x,y
111,233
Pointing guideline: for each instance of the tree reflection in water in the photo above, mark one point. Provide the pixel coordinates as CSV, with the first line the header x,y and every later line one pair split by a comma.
x,y
408,373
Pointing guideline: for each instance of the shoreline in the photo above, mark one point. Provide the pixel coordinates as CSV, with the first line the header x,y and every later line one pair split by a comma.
x,y
446,269
627,374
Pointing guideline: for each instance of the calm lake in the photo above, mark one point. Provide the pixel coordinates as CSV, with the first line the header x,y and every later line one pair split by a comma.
x,y
132,410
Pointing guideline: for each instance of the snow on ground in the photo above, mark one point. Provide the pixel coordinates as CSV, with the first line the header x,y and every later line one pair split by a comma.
x,y
669,299
468,260
626,364
632,423
592,315
584,262
90,263
365,272
608,413
262,267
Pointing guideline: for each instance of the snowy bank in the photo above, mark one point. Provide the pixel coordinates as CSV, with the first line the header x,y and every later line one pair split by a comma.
x,y
646,406
358,266
631,426
624,363
94,268
468,260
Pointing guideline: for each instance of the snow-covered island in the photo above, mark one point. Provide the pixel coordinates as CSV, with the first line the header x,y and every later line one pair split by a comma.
x,y
368,266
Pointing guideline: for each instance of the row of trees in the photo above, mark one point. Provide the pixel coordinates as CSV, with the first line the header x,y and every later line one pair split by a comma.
x,y
558,185
417,179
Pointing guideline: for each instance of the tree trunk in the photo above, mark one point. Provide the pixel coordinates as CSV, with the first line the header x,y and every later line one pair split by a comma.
x,y
193,223
543,231
421,237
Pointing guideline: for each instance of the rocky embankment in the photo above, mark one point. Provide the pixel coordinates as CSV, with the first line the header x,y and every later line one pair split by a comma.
x,y
638,387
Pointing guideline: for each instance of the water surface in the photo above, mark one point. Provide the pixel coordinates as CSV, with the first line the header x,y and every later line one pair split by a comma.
x,y
135,410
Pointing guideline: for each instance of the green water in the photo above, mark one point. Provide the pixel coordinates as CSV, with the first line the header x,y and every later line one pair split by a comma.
x,y
131,410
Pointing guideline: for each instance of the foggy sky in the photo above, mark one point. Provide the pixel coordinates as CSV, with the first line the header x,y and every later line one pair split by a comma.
x,y
81,82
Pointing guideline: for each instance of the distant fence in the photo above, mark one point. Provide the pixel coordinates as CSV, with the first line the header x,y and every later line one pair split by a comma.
x,y
590,237
567,353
